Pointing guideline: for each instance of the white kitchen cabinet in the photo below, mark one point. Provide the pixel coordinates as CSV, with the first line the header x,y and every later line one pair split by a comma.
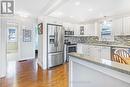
x,y
105,52
86,50
121,26
126,25
94,51
91,30
82,49
117,26
76,30
101,52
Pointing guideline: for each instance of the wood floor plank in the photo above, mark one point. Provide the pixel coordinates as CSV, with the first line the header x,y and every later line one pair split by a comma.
x,y
29,74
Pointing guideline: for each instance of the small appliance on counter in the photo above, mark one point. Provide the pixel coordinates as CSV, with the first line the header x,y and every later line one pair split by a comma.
x,y
68,48
69,32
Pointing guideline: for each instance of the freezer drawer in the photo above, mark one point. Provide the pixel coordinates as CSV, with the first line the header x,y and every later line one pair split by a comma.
x,y
55,59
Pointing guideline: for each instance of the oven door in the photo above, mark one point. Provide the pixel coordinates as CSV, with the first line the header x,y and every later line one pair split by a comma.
x,y
69,50
72,49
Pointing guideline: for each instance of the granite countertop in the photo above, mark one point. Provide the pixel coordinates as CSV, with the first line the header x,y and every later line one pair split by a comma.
x,y
104,63
108,45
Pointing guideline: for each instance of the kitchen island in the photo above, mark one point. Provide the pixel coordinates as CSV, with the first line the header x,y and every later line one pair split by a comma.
x,y
86,71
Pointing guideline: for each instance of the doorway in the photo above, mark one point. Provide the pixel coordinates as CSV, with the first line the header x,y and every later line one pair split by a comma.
x,y
36,41
12,42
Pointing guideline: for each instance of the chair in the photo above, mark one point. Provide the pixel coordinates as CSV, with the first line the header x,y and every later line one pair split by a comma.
x,y
123,53
119,59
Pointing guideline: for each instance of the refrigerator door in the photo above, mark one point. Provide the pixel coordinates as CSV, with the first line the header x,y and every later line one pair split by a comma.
x,y
51,38
55,59
60,39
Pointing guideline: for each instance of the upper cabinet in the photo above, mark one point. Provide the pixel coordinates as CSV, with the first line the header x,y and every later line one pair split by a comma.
x,y
117,26
126,25
121,26
91,29
82,30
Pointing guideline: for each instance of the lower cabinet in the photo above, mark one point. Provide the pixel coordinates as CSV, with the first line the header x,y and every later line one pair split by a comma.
x,y
102,52
105,53
94,51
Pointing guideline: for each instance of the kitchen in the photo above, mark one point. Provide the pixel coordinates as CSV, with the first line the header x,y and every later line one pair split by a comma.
x,y
86,37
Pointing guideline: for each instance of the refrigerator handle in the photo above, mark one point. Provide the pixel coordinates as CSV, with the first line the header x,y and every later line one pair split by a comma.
x,y
56,37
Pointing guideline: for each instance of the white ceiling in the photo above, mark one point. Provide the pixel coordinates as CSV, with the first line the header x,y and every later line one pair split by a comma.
x,y
68,10
91,9
37,7
29,6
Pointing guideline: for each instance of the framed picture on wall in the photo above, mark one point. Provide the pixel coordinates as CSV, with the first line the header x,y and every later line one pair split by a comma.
x,y
27,35
12,34
40,28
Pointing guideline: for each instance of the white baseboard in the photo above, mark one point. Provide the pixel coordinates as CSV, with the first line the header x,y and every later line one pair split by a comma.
x,y
26,58
2,76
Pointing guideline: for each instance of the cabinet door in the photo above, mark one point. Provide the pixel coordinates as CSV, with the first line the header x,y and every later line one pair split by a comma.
x,y
80,48
105,53
86,31
76,29
91,29
117,26
94,51
126,26
83,49
86,50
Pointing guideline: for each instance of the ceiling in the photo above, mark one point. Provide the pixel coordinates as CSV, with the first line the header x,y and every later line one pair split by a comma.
x,y
85,10
37,7
73,10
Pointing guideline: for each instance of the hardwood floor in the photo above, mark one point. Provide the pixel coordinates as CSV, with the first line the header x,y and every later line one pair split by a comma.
x,y
29,74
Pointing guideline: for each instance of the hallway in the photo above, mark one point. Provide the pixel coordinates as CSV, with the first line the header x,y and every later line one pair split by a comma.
x,y
29,74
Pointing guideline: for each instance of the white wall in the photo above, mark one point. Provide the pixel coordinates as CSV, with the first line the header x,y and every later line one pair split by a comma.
x,y
42,40
27,49
0,50
3,57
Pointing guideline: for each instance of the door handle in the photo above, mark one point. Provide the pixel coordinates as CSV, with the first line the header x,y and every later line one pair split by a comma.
x,y
56,53
56,38
55,41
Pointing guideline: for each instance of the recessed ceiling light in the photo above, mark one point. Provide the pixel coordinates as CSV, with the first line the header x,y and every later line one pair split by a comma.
x,y
56,14
71,16
90,9
77,3
23,14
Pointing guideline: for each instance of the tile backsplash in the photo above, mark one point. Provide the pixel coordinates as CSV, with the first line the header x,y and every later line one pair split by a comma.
x,y
87,39
122,40
125,40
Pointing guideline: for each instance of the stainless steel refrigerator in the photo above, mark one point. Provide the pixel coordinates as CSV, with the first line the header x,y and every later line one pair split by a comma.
x,y
55,44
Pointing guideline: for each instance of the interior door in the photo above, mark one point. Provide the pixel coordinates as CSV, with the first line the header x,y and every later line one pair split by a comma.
x,y
60,39
51,38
